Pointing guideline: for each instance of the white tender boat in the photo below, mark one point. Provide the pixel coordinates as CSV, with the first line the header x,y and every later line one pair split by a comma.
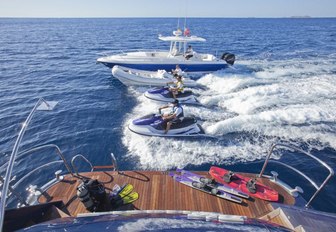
x,y
129,76
153,60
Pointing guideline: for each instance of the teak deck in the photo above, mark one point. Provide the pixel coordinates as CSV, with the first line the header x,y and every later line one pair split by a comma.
x,y
158,191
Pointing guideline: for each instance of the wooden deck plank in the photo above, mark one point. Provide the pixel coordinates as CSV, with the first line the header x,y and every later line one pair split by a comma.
x,y
158,191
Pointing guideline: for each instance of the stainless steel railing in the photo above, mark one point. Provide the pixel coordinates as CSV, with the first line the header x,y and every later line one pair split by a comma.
x,y
62,160
43,105
58,151
82,157
8,188
114,165
313,183
117,52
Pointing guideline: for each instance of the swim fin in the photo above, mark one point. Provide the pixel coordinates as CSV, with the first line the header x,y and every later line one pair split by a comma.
x,y
127,189
123,191
125,200
130,198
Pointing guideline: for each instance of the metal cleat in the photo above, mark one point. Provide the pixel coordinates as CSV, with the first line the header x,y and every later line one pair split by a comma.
x,y
294,192
275,175
58,175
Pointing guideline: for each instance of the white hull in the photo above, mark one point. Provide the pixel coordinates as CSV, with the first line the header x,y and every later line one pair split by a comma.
x,y
192,130
189,60
136,77
184,100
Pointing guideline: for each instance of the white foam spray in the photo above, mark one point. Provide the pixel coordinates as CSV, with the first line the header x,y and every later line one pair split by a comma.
x,y
247,111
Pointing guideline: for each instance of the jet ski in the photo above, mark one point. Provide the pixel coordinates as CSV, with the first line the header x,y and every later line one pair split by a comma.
x,y
164,95
154,125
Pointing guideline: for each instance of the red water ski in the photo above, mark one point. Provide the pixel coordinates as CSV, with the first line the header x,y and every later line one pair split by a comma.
x,y
240,182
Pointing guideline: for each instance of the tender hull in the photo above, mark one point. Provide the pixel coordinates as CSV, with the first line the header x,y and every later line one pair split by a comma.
x,y
137,77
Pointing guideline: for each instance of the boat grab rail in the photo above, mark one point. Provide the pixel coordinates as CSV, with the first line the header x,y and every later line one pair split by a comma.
x,y
40,105
31,151
318,188
297,171
58,151
74,166
11,190
114,163
36,169
118,52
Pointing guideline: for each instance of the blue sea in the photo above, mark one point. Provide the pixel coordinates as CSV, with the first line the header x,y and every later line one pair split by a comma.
x,y
281,89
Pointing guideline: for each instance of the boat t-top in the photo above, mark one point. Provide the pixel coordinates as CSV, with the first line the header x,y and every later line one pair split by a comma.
x,y
153,60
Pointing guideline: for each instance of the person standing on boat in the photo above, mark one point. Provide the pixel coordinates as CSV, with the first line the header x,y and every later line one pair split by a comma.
x,y
179,86
189,53
174,116
177,71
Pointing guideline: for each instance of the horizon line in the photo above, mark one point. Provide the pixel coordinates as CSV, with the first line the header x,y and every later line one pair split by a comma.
x,y
168,17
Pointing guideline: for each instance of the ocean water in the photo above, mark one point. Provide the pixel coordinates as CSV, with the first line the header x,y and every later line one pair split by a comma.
x,y
281,89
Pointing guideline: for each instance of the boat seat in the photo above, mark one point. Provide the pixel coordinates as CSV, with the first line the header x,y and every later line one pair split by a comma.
x,y
207,57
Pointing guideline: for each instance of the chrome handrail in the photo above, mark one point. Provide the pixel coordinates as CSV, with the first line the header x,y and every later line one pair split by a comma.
x,y
318,188
114,162
58,150
34,170
41,104
83,157
117,52
297,171
17,195
30,151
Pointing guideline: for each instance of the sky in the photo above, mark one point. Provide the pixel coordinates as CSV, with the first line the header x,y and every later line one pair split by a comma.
x,y
166,8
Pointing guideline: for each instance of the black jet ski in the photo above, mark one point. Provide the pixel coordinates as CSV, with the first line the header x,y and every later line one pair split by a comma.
x,y
154,125
164,95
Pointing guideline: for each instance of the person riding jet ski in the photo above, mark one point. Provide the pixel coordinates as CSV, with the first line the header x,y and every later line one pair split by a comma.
x,y
174,116
177,71
179,86
167,94
172,124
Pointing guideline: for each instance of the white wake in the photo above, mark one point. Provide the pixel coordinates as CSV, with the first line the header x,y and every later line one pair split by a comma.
x,y
247,111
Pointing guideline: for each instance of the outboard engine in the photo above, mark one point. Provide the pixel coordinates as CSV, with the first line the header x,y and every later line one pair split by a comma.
x,y
229,58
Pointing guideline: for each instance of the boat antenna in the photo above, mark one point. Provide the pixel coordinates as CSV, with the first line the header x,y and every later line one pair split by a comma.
x,y
185,15
178,23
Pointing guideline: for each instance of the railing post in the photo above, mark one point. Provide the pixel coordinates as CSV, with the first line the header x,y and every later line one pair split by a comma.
x,y
319,189
114,162
12,190
73,162
266,161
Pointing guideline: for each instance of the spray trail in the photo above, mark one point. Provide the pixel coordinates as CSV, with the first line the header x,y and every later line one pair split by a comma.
x,y
247,108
